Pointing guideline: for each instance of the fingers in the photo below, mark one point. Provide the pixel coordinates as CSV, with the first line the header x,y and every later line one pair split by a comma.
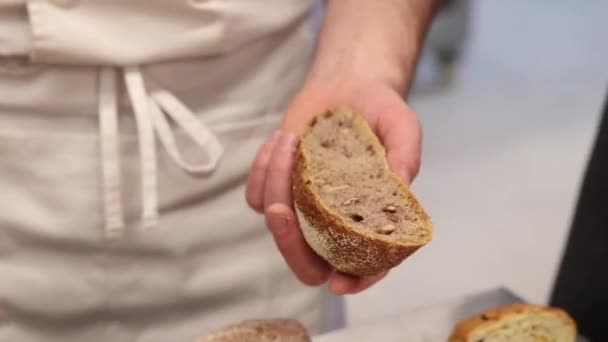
x,y
304,263
404,161
257,176
396,126
401,135
278,172
400,132
281,219
269,187
342,284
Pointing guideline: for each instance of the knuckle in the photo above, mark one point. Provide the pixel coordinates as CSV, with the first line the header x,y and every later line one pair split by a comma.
x,y
271,217
277,221
265,153
259,164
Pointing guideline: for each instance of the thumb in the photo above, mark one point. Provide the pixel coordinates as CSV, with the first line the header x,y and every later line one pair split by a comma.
x,y
404,162
400,132
396,126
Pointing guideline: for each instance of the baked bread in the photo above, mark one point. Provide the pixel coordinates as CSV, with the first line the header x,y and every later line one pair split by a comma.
x,y
518,323
267,330
353,210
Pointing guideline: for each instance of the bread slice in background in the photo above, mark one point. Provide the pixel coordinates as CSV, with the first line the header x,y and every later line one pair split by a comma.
x,y
263,330
517,322
354,212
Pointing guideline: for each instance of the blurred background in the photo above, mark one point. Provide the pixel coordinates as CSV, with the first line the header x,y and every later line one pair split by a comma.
x,y
509,94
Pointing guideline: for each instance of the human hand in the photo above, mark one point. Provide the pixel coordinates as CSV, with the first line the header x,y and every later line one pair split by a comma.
x,y
269,189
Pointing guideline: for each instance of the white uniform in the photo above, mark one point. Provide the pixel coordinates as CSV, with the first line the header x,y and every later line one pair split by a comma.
x,y
127,128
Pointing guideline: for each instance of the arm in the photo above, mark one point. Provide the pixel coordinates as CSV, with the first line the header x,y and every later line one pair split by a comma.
x,y
364,42
365,57
372,40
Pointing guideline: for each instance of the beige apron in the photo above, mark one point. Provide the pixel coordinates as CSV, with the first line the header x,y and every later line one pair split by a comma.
x,y
126,132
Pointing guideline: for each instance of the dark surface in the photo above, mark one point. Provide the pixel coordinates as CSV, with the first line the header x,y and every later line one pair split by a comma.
x,y
581,285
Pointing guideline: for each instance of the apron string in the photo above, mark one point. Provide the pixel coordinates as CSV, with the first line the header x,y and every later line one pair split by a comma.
x,y
191,125
147,145
150,115
108,131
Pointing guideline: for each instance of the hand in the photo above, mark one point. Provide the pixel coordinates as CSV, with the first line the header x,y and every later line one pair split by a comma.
x,y
269,187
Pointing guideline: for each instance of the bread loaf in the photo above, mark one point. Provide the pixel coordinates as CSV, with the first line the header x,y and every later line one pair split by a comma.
x,y
268,330
354,212
517,323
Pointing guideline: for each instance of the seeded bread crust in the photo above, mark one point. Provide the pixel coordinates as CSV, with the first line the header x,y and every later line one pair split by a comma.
x,y
489,319
269,330
349,249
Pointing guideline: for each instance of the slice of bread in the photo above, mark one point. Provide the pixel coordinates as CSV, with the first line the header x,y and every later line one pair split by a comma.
x,y
354,212
517,322
264,330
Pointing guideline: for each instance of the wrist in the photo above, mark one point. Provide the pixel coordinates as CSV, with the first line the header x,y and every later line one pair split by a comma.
x,y
366,41
320,94
348,76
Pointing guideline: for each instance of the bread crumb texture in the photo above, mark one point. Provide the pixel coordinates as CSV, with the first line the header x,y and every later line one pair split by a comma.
x,y
517,322
354,212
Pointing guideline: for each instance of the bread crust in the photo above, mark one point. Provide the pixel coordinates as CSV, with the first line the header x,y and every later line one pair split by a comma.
x,y
349,249
489,318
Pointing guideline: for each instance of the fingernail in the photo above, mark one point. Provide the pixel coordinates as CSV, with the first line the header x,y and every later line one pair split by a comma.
x,y
288,141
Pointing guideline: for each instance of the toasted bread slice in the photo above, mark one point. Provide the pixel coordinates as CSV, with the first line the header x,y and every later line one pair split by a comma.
x,y
353,210
517,322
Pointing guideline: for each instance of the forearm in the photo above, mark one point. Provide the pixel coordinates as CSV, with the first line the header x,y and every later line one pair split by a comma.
x,y
365,41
